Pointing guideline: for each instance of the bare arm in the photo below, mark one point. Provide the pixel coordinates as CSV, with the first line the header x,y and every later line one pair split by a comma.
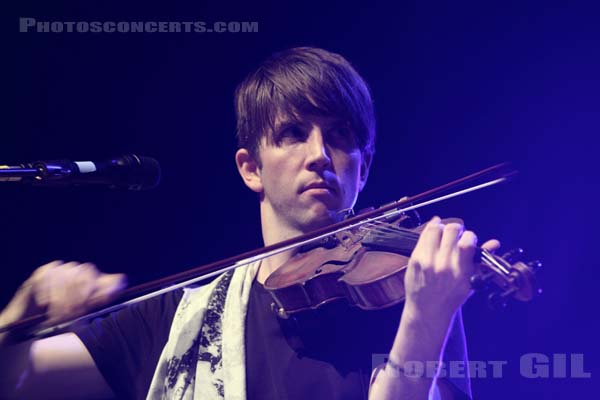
x,y
436,284
417,341
58,367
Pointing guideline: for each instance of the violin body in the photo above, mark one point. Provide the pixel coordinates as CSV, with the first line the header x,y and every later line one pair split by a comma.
x,y
366,267
346,266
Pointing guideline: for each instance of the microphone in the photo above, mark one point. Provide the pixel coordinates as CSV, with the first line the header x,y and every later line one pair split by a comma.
x,y
128,171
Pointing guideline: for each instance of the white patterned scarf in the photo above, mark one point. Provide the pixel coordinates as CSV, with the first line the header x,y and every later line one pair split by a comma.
x,y
204,358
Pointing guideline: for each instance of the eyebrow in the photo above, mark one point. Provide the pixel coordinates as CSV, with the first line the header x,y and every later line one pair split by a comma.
x,y
285,125
329,124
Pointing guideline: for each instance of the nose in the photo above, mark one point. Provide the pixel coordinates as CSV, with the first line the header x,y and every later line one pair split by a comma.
x,y
318,157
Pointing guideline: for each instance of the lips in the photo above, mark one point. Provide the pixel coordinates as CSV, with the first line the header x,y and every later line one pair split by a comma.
x,y
319,185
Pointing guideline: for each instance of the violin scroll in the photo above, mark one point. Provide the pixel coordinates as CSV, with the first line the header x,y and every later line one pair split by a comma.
x,y
505,277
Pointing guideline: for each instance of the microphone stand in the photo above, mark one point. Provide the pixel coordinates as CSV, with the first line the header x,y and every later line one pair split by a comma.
x,y
10,173
39,171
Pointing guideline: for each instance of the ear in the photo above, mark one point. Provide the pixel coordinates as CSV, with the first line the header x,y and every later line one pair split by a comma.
x,y
365,166
249,170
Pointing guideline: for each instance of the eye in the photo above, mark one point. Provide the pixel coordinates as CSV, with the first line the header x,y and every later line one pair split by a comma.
x,y
339,131
341,136
291,134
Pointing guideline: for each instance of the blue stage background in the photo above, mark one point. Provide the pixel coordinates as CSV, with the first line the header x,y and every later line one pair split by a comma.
x,y
458,86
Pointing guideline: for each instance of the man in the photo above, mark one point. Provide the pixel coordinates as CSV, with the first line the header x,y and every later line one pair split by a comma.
x,y
306,134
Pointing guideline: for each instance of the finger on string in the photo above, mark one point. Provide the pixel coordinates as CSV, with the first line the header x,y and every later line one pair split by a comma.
x,y
491,245
450,237
466,251
427,245
431,236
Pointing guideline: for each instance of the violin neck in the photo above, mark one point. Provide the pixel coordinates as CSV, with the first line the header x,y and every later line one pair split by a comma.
x,y
399,241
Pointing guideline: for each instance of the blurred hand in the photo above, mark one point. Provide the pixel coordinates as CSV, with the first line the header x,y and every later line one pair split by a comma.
x,y
62,291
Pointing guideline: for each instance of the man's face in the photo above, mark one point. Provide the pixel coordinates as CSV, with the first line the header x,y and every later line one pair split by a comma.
x,y
310,171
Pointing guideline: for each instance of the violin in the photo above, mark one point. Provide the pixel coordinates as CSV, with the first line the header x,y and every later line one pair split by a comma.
x,y
366,266
361,258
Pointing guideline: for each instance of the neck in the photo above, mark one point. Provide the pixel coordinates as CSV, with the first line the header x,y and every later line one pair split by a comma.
x,y
274,231
277,228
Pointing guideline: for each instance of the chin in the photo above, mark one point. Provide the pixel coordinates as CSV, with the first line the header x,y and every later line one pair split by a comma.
x,y
320,220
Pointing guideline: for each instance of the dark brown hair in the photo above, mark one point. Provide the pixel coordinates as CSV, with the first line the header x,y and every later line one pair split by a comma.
x,y
303,80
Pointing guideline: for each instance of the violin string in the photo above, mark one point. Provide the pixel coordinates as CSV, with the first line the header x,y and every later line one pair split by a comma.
x,y
494,264
382,227
391,231
385,227
383,232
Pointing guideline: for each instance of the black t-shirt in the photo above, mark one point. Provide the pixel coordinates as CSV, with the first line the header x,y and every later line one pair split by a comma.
x,y
126,345
322,354
328,353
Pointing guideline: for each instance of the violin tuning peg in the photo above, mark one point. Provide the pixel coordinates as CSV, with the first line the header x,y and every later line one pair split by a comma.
x,y
514,255
535,265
